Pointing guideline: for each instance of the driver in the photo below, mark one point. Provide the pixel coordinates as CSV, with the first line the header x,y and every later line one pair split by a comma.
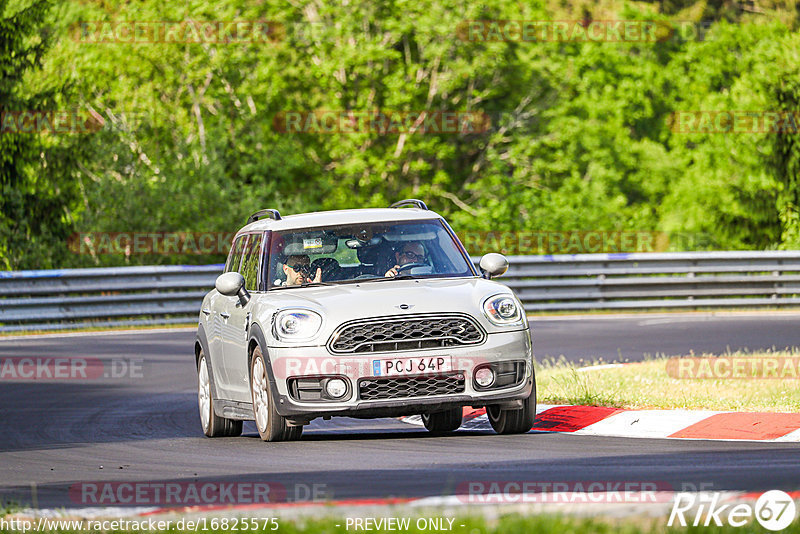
x,y
298,271
411,252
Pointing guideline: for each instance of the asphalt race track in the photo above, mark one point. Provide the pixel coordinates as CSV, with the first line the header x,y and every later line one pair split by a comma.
x,y
144,426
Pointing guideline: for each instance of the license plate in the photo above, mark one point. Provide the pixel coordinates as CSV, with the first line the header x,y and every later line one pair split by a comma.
x,y
412,366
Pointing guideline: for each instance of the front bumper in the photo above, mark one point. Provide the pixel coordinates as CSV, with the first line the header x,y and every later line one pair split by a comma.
x,y
298,362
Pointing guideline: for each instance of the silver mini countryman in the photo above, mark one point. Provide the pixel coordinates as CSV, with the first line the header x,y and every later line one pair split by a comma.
x,y
360,313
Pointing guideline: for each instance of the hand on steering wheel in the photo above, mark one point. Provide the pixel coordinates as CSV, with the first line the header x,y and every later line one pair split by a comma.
x,y
397,269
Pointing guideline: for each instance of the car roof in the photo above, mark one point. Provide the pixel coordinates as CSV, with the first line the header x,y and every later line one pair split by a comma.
x,y
330,218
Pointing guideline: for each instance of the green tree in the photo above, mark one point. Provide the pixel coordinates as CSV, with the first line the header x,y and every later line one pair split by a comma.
x,y
35,171
580,135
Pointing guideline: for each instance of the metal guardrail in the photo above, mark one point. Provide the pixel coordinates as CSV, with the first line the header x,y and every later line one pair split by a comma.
x,y
656,280
66,298
168,294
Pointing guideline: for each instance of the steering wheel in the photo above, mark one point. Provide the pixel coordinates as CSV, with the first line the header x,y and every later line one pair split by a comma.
x,y
407,266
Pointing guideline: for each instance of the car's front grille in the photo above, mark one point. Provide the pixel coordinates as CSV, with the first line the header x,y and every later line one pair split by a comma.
x,y
411,386
391,334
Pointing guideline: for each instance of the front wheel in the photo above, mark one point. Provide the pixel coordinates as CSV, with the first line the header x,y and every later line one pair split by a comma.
x,y
444,421
517,421
213,425
271,425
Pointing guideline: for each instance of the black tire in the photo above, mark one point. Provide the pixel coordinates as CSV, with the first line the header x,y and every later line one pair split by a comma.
x,y
444,421
271,425
516,421
213,425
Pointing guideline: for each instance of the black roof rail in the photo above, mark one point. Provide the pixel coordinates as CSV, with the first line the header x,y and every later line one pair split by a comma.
x,y
272,214
410,202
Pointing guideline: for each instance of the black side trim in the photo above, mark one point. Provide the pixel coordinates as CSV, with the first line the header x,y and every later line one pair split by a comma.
x,y
203,340
257,334
242,411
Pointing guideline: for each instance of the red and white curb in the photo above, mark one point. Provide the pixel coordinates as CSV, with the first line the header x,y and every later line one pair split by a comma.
x,y
674,424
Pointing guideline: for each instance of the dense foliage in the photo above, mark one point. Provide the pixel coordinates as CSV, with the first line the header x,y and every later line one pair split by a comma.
x,y
582,134
36,174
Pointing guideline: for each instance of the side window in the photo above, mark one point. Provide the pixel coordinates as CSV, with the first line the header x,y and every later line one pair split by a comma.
x,y
235,256
249,268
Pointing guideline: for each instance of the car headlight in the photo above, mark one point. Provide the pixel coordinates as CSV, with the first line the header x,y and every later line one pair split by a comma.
x,y
503,310
297,325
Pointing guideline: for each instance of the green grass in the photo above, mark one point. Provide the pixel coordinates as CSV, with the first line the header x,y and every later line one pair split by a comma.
x,y
511,524
8,507
517,524
545,524
648,385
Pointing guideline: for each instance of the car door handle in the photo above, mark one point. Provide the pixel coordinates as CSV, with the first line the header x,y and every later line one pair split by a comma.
x,y
225,315
206,311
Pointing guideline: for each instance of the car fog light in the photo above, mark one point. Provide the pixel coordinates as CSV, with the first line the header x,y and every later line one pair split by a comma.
x,y
335,388
484,377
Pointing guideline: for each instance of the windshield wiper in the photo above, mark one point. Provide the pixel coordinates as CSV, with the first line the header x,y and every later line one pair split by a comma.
x,y
353,281
307,284
310,284
398,277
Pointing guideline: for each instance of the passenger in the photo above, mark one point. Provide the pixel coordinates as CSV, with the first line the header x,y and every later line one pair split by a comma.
x,y
298,271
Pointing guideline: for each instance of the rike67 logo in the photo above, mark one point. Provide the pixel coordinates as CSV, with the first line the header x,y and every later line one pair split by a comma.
x,y
774,510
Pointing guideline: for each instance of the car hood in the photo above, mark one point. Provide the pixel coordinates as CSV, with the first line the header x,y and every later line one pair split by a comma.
x,y
345,302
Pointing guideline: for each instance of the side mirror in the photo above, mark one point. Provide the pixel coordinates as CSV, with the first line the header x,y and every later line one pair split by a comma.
x,y
493,264
232,284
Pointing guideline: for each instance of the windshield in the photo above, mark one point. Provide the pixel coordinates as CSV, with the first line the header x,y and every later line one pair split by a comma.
x,y
362,252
